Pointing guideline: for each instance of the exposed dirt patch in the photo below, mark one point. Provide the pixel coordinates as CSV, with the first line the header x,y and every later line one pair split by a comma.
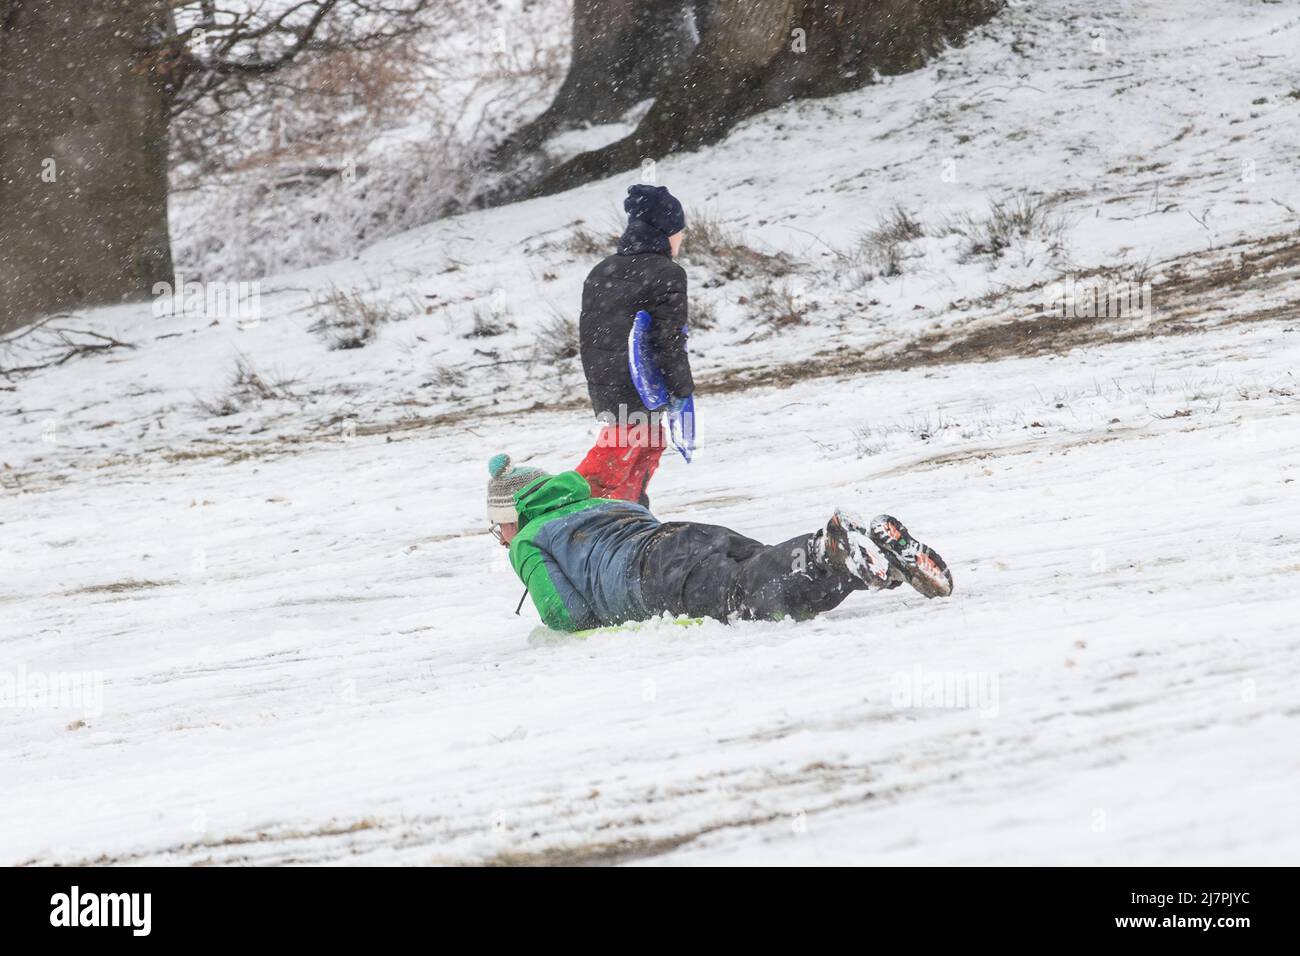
x,y
591,854
1188,300
332,829
119,587
1246,266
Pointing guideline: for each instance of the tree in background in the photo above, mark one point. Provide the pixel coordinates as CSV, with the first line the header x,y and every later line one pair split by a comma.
x,y
83,153
88,89
620,53
754,55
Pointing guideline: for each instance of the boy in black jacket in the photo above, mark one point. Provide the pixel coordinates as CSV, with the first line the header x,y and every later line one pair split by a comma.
x,y
640,275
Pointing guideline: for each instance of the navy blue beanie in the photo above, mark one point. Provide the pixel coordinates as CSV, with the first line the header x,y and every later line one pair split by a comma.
x,y
656,207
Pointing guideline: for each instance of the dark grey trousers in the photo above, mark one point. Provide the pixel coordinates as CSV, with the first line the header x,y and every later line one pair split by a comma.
x,y
705,570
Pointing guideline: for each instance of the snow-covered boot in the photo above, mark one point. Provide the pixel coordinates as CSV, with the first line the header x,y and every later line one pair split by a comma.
x,y
845,545
883,555
920,565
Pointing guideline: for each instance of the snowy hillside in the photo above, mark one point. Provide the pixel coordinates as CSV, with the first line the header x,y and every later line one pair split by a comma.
x,y
268,555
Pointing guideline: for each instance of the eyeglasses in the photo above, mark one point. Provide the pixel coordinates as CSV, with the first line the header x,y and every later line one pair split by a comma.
x,y
495,531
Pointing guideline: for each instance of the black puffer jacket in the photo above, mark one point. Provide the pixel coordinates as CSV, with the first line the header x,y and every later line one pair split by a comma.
x,y
641,275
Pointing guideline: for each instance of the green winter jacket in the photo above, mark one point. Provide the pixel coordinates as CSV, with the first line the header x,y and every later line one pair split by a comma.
x,y
579,556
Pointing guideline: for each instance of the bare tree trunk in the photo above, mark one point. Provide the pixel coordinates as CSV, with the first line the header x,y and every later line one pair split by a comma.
x,y
622,52
83,154
757,54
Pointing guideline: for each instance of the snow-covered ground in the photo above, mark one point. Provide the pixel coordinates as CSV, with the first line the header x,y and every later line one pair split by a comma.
x,y
300,643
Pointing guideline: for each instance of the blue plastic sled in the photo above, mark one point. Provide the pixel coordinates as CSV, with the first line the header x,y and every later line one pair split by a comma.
x,y
650,385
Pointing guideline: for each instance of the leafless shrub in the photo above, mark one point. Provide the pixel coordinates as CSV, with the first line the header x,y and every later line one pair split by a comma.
x,y
1132,271
881,248
488,323
854,263
448,377
589,244
898,225
712,240
879,251
350,321
702,314
874,437
248,388
1020,217
780,306
884,256
557,339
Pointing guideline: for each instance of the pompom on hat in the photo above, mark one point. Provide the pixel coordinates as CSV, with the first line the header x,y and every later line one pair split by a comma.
x,y
505,482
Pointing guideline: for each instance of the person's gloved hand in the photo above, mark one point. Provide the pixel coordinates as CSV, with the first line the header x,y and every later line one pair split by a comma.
x,y
681,424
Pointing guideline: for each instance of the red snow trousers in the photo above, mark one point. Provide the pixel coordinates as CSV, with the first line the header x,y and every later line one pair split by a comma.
x,y
622,461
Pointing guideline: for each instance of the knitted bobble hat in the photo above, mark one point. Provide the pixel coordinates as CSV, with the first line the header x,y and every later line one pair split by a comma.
x,y
655,206
505,483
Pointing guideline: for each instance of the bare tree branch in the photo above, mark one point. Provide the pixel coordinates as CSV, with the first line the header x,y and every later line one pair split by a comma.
x,y
64,340
250,45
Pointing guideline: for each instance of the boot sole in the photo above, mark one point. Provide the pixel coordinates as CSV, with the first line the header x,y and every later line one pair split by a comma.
x,y
921,565
858,554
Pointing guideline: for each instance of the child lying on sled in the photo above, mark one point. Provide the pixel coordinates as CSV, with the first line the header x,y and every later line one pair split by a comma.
x,y
591,562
